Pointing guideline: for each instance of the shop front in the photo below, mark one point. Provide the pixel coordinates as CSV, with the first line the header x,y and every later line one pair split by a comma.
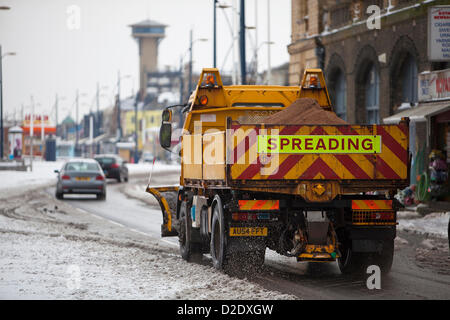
x,y
429,137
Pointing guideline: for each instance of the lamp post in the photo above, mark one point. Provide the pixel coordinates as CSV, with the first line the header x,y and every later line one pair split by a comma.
x,y
191,44
97,102
1,97
232,28
119,126
77,105
57,99
215,35
269,67
242,42
268,43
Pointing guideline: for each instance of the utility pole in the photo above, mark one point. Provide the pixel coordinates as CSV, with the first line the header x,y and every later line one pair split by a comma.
x,y
269,68
181,92
1,91
136,130
190,64
119,127
242,43
256,42
97,100
31,132
1,105
76,122
235,23
91,134
215,35
56,114
42,131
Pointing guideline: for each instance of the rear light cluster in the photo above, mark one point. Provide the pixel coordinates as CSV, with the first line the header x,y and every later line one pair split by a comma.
x,y
65,177
114,166
250,216
99,177
373,217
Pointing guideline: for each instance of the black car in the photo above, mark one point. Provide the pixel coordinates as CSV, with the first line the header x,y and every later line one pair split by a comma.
x,y
113,166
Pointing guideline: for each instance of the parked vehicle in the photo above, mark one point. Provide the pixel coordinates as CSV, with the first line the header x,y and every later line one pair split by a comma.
x,y
303,190
81,176
113,166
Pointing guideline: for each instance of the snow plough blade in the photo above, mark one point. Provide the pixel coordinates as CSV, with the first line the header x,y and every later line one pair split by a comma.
x,y
167,199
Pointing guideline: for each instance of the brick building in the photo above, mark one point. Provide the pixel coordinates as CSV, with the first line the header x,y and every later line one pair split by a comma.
x,y
370,73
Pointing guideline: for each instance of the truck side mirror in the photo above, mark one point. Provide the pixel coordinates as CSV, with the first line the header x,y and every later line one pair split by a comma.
x,y
166,115
165,135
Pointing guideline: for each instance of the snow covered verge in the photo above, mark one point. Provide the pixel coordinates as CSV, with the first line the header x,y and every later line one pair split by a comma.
x,y
49,250
13,182
433,224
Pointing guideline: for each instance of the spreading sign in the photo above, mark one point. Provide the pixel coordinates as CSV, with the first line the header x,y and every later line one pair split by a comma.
x,y
439,33
311,144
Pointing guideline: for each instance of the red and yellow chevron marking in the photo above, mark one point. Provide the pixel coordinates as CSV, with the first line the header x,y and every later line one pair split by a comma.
x,y
391,163
371,204
259,205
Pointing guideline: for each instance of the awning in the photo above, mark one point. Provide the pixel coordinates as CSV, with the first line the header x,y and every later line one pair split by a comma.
x,y
419,113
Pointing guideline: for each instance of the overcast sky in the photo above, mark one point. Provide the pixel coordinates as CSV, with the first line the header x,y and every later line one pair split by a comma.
x,y
56,56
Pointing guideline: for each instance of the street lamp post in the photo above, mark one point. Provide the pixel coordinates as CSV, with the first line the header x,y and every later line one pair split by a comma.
x,y
1,98
76,121
215,35
269,67
119,126
242,43
191,44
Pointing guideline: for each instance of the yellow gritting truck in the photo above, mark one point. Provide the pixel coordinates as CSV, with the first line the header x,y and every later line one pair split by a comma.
x,y
313,192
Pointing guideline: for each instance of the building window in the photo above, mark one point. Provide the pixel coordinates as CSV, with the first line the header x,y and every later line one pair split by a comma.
x,y
409,81
339,94
372,90
339,16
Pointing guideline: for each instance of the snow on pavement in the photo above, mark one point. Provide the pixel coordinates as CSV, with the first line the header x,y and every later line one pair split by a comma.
x,y
50,250
435,224
18,181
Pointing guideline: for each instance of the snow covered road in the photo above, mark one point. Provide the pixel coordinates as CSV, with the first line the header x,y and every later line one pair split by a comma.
x,y
51,250
81,248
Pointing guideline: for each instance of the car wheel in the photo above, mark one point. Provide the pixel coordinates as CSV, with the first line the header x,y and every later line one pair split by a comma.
x,y
101,196
59,195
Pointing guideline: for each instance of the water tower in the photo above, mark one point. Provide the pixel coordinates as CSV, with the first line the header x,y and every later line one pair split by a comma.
x,y
148,34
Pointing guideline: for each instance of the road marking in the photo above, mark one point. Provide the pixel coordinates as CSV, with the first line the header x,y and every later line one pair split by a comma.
x,y
169,242
124,226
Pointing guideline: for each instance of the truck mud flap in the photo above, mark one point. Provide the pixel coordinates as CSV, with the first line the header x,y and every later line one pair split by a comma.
x,y
167,199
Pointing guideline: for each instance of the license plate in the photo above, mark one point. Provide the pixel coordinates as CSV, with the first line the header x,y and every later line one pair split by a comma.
x,y
248,232
82,178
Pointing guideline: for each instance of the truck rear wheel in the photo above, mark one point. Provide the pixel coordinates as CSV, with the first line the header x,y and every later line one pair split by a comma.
x,y
385,258
352,262
189,250
218,236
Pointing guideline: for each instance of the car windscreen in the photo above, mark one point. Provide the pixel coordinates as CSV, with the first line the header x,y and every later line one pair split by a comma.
x,y
105,160
81,166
